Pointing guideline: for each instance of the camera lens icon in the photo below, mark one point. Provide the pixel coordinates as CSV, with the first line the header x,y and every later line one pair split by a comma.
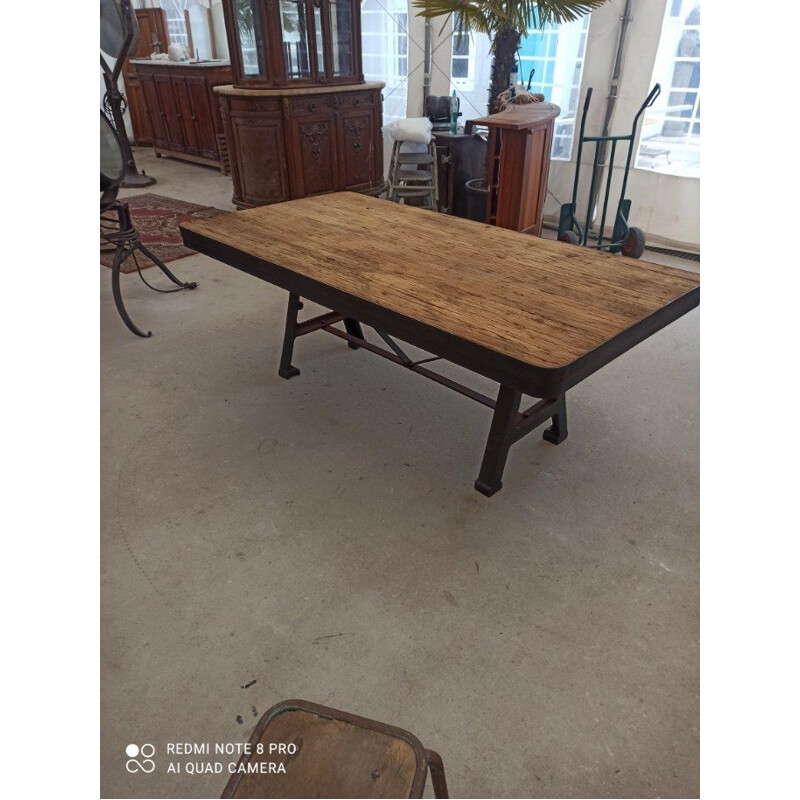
x,y
140,759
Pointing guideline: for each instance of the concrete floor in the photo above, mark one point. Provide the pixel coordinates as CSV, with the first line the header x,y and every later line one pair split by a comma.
x,y
320,538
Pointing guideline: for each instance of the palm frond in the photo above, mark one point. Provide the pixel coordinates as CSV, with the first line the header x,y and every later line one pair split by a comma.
x,y
491,16
468,15
558,11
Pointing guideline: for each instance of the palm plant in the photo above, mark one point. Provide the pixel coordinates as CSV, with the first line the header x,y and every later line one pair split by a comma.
x,y
506,22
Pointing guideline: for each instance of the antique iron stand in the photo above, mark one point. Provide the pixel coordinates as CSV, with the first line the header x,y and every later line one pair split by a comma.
x,y
509,424
126,241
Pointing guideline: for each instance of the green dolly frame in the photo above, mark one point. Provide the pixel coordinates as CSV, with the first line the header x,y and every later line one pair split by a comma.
x,y
625,239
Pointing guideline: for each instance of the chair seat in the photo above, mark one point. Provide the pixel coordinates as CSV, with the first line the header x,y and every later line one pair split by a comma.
x,y
338,755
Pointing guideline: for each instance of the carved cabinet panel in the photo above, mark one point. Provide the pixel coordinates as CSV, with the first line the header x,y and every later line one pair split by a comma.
x,y
185,113
331,141
168,106
158,131
357,132
203,115
314,141
259,171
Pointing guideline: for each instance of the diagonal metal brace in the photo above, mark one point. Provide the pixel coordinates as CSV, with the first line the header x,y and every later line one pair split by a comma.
x,y
396,349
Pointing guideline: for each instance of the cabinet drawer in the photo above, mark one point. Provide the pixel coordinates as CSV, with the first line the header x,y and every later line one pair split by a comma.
x,y
257,105
348,100
314,104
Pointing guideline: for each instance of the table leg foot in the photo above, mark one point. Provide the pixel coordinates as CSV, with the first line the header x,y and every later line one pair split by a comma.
x,y
557,432
286,370
487,490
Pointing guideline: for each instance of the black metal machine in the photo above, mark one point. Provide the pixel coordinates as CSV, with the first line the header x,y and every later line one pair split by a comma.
x,y
437,110
625,238
119,33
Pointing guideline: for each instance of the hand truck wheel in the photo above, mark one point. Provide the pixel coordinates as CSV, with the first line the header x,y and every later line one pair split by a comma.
x,y
570,237
633,246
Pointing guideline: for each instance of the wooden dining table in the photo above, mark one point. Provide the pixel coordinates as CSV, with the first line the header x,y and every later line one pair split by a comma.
x,y
534,315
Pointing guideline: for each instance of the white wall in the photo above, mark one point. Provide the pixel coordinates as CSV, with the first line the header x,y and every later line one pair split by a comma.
x,y
440,63
667,207
220,36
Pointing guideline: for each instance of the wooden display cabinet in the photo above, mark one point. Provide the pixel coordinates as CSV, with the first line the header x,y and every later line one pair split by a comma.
x,y
518,164
152,31
299,118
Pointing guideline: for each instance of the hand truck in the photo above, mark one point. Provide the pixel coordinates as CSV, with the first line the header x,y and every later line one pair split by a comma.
x,y
625,239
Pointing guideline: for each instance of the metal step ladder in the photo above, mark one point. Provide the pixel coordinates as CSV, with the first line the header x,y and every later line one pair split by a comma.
x,y
414,175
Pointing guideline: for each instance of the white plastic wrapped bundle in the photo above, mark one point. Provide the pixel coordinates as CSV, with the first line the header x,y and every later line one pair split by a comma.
x,y
412,129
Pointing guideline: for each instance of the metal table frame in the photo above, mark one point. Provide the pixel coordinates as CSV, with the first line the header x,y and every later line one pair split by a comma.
x,y
515,377
509,424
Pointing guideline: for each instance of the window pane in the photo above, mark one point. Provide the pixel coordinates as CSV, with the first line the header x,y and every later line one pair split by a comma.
x,y
461,45
670,137
384,43
557,55
460,68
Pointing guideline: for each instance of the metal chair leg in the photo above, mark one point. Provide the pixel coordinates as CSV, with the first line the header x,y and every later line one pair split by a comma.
x,y
435,168
393,171
436,766
165,269
119,258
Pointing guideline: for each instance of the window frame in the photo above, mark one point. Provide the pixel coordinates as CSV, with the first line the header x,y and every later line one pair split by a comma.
x,y
650,158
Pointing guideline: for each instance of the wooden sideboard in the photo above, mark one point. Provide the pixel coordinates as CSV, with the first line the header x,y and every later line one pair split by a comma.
x,y
292,142
182,109
152,30
518,164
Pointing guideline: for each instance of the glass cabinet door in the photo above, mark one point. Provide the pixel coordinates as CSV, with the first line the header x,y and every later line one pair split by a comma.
x,y
294,33
342,33
293,42
252,42
322,69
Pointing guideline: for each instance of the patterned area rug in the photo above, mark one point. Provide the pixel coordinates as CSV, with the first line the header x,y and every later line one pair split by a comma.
x,y
157,219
